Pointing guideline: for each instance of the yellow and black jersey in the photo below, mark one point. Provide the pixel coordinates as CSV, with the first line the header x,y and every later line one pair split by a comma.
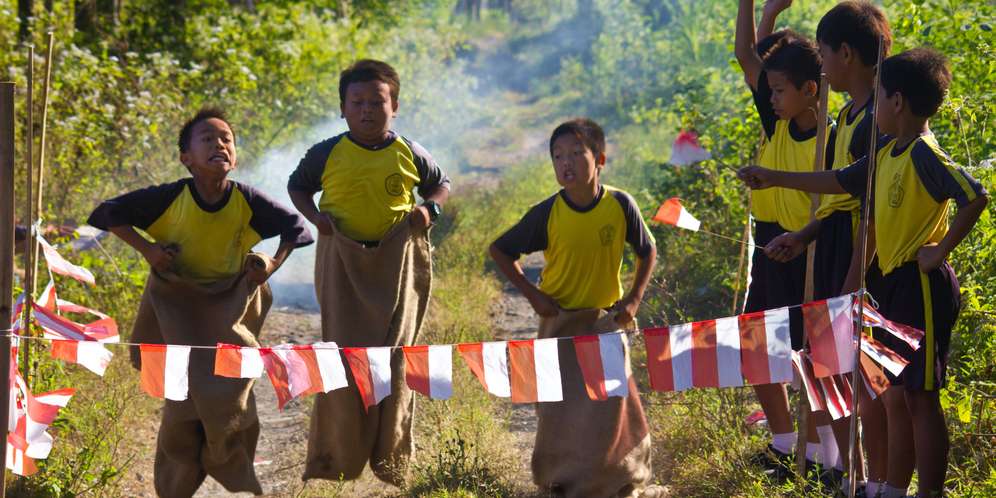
x,y
582,245
911,196
850,143
213,239
367,190
785,148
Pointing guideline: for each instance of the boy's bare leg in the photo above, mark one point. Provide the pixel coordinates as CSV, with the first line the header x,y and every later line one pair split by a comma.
x,y
875,437
902,453
774,401
931,436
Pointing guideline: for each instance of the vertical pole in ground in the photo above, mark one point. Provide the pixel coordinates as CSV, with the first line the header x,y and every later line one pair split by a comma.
x,y
29,241
6,255
852,440
41,150
814,204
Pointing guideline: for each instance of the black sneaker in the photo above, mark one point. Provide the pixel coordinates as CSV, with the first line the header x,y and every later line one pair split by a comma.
x,y
776,465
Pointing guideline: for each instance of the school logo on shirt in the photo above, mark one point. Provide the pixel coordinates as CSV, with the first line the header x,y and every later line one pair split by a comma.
x,y
394,184
896,191
607,234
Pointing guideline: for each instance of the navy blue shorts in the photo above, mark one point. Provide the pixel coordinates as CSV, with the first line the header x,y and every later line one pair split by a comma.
x,y
929,302
775,284
834,246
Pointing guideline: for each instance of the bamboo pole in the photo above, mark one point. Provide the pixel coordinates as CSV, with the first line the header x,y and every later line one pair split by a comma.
x,y
852,440
6,252
41,150
29,241
814,204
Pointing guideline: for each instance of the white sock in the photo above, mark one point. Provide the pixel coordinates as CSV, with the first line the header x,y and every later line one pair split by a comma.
x,y
890,491
814,453
828,443
784,443
872,488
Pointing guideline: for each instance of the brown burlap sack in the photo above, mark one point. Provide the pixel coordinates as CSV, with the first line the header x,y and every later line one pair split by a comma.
x,y
215,430
369,296
585,448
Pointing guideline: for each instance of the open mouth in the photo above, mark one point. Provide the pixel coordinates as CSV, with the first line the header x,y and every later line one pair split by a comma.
x,y
219,158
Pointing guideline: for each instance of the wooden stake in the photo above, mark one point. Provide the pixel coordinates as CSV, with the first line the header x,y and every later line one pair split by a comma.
x,y
6,252
41,150
814,204
856,384
29,241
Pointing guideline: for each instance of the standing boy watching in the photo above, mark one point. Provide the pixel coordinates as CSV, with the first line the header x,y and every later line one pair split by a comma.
x,y
910,278
204,290
372,268
582,231
785,84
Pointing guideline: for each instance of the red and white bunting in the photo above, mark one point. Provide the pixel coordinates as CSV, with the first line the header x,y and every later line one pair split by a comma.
x,y
804,367
829,325
535,369
30,417
58,264
237,362
429,370
884,356
686,149
602,359
371,368
104,329
766,346
872,318
288,371
874,378
700,354
837,394
489,363
325,368
48,299
91,355
164,370
672,212
72,343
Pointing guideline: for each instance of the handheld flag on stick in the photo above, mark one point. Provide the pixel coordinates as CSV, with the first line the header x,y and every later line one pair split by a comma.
x,y
686,149
672,212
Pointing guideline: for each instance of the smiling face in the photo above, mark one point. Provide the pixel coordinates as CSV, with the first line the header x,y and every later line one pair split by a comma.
x,y
369,110
787,100
211,151
574,163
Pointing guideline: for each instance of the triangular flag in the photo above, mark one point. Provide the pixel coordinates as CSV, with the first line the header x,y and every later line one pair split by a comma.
x,y
686,149
238,362
371,368
535,371
672,212
872,318
766,346
602,359
429,370
164,370
829,326
889,359
59,265
489,363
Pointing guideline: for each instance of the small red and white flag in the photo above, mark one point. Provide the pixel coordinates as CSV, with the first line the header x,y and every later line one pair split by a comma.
x,y
804,367
686,149
602,359
90,355
700,354
535,369
48,298
371,369
829,326
837,394
58,264
324,365
104,329
872,318
429,370
30,417
237,362
766,346
164,370
672,212
489,363
874,378
288,371
889,359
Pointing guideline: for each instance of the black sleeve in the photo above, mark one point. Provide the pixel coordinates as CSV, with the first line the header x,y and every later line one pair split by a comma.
x,y
762,102
270,218
529,234
140,208
308,175
942,178
830,148
637,234
859,139
854,178
429,173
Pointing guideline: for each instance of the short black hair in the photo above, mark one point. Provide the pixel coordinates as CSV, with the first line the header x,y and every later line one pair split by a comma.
x,y
921,75
858,24
587,131
764,44
369,70
204,114
797,57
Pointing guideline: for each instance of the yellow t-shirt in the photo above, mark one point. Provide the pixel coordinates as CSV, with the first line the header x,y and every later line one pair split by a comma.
x,y
367,190
582,246
850,143
911,196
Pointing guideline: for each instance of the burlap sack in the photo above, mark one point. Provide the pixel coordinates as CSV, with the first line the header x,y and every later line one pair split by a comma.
x,y
585,448
214,432
368,297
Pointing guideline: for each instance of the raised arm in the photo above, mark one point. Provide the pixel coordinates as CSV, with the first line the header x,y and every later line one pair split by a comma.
x,y
768,16
745,46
